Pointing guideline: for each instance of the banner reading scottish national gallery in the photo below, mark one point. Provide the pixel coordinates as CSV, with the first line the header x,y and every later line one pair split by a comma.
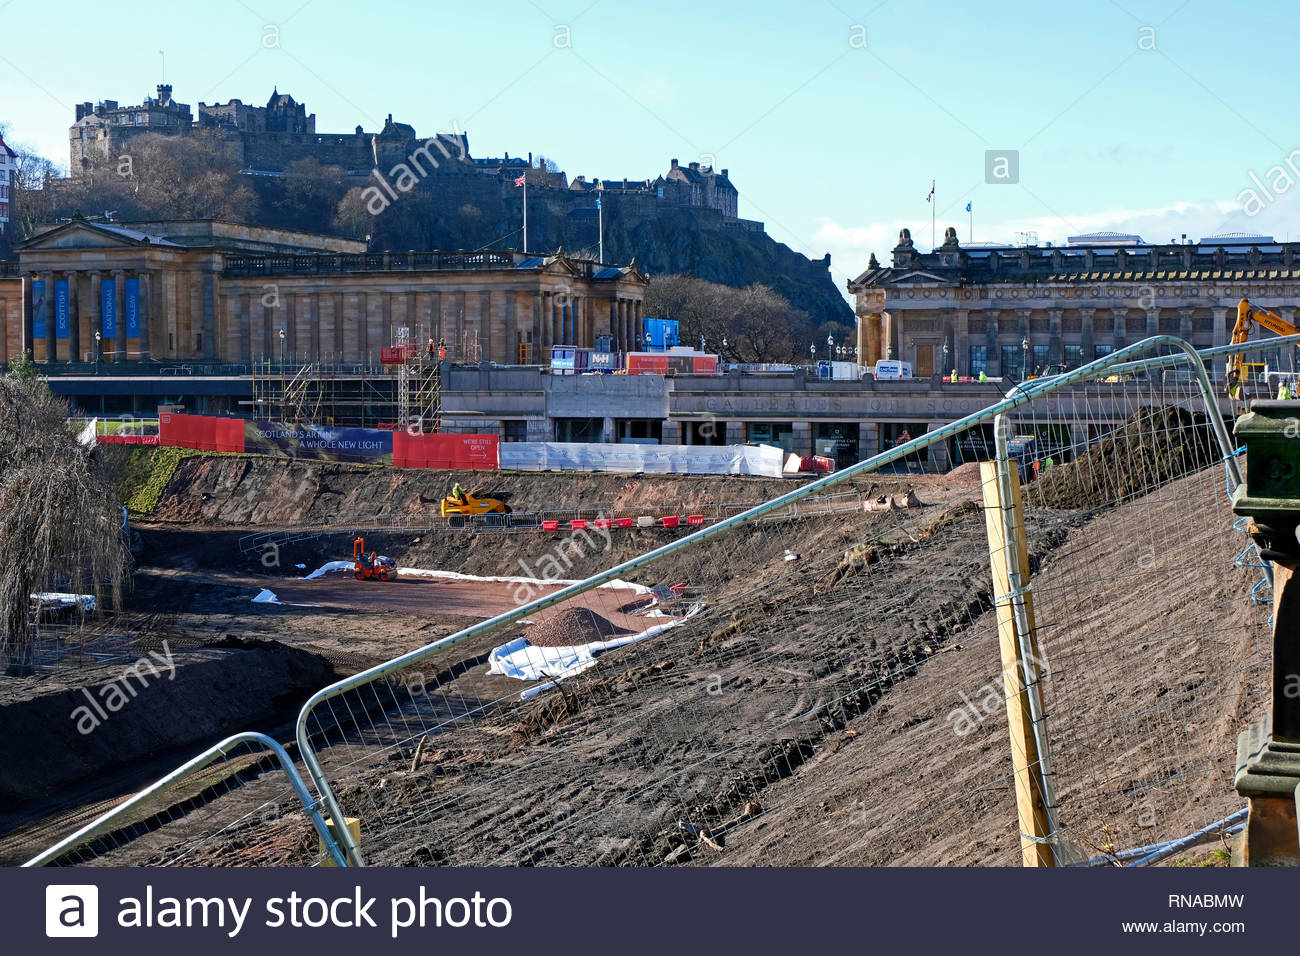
x,y
108,308
132,308
61,327
38,310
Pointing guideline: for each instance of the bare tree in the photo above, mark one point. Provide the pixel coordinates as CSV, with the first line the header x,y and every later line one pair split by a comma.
x,y
60,526
758,324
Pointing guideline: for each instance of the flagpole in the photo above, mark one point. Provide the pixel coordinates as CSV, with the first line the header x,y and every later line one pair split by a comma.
x,y
970,236
600,216
525,212
933,202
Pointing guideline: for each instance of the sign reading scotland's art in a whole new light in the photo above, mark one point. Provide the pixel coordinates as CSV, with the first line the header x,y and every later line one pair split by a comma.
x,y
319,441
108,308
132,308
61,329
38,309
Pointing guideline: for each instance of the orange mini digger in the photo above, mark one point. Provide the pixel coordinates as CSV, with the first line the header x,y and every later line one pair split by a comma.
x,y
368,566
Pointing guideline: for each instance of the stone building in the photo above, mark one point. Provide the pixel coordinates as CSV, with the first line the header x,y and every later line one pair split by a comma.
x,y
216,292
1015,311
8,176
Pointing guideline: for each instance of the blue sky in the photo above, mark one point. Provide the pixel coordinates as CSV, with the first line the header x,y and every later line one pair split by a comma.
x,y
833,116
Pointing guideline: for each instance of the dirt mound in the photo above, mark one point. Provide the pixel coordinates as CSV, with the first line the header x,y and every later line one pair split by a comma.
x,y
967,474
571,627
1152,448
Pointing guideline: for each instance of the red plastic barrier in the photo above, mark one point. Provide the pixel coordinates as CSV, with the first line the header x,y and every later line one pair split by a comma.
x,y
550,526
622,522
601,523
127,439
695,519
200,432
577,524
459,452
670,521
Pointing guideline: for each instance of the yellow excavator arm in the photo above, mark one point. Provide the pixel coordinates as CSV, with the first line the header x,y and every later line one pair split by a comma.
x,y
1247,316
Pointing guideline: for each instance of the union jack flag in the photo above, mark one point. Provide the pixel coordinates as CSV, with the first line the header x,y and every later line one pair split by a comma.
x,y
520,180
930,195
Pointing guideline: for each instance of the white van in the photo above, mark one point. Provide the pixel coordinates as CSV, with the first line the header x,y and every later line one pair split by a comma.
x,y
892,370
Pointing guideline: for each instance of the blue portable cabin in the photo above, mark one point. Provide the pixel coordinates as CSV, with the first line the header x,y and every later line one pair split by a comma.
x,y
660,335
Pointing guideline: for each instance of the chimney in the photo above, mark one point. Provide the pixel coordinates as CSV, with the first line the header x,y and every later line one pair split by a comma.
x,y
724,174
674,164
695,166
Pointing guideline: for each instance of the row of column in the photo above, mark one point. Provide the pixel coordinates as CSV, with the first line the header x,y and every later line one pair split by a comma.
x,y
959,338
625,325
46,312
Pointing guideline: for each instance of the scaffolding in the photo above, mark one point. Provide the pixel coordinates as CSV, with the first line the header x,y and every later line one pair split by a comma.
x,y
403,390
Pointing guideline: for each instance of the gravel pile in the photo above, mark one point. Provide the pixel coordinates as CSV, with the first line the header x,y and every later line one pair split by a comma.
x,y
571,627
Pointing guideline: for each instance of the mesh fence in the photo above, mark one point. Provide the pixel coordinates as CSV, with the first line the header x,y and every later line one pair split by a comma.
x,y
821,684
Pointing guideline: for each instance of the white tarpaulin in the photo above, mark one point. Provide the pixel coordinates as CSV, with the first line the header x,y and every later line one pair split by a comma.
x,y
764,460
522,660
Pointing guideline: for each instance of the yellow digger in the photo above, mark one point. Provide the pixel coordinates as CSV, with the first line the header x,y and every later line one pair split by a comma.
x,y
1247,316
460,503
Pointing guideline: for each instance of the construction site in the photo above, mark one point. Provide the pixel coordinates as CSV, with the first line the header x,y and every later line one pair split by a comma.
x,y
558,668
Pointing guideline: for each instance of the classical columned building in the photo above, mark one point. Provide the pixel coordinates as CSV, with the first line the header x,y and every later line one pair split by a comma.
x,y
222,293
1014,311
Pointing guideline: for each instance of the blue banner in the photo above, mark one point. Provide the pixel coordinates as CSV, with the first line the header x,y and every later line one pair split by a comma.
x,y
60,308
108,308
319,442
38,309
132,308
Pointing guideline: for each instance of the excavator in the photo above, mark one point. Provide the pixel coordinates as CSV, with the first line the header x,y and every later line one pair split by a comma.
x,y
460,503
1247,316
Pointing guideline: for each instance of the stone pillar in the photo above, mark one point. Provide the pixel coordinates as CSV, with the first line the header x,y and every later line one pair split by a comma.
x,y
119,288
1153,322
74,318
1087,344
1055,345
1119,328
95,318
47,313
1185,324
802,438
960,343
991,344
146,316
25,342
211,302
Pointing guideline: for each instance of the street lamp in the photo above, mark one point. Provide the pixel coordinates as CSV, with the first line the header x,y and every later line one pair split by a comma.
x,y
1024,359
97,341
946,352
830,347
812,352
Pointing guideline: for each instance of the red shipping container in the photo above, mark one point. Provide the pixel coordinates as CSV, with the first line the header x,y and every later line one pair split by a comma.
x,y
643,363
705,365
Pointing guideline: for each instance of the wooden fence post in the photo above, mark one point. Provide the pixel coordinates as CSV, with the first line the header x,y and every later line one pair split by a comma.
x,y
1020,676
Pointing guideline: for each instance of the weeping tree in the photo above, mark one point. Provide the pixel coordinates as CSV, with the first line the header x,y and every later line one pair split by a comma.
x,y
60,526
